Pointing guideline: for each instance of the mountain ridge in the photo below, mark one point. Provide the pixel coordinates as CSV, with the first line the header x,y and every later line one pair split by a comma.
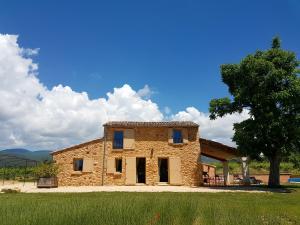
x,y
38,155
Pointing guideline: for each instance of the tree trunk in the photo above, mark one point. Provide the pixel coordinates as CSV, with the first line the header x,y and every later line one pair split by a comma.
x,y
274,176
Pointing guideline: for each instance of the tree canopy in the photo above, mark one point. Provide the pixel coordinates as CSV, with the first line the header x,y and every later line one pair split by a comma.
x,y
267,85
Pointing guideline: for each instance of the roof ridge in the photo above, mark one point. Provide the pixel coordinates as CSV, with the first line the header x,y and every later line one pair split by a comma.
x,y
152,123
77,145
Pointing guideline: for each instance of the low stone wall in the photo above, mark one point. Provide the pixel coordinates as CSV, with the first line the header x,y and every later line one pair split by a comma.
x,y
284,177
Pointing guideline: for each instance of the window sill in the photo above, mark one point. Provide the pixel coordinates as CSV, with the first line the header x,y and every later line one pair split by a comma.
x,y
117,173
76,173
122,149
117,150
178,144
162,184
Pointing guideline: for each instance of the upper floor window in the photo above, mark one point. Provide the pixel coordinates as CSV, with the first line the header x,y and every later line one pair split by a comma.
x,y
78,164
177,136
118,140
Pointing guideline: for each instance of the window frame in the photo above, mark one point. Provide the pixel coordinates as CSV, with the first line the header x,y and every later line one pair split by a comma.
x,y
80,167
118,145
177,140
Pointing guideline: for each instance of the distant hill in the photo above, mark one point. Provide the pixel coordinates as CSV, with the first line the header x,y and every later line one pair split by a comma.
x,y
42,155
39,155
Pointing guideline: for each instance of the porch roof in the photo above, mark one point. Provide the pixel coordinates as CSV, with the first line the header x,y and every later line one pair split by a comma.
x,y
217,150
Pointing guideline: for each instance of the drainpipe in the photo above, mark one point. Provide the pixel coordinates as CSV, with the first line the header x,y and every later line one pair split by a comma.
x,y
104,150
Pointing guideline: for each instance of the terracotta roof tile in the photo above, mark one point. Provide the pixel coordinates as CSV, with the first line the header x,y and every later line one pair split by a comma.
x,y
151,124
77,146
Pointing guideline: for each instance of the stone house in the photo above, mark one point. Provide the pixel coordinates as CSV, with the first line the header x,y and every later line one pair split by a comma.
x,y
135,153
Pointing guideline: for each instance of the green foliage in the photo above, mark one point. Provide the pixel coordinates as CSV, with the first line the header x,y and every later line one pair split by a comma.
x,y
268,86
276,43
30,173
150,208
257,167
17,173
294,158
46,170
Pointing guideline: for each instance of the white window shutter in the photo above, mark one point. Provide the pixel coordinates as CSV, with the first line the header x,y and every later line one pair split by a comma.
x,y
170,135
175,170
185,135
129,138
110,167
88,165
130,171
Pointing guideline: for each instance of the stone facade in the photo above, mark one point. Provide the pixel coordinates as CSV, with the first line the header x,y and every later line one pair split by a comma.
x,y
65,159
149,141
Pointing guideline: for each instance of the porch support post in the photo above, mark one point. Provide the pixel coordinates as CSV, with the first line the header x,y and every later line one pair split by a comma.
x,y
245,167
226,173
245,171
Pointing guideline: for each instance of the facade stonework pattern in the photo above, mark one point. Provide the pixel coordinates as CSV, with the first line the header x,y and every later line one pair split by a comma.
x,y
149,142
65,159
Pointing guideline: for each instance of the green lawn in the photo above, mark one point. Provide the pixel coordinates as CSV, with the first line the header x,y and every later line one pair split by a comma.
x,y
150,208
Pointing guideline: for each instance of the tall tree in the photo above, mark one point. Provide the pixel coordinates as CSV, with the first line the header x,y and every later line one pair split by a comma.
x,y
267,85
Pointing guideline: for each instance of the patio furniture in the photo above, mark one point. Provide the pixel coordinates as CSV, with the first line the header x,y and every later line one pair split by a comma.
x,y
253,180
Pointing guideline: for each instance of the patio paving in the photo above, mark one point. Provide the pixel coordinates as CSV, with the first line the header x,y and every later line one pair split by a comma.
x,y
31,188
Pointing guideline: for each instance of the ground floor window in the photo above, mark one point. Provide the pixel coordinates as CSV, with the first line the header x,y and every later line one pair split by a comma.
x,y
78,164
118,165
163,169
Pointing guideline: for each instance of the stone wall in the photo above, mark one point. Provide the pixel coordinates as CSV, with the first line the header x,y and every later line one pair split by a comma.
x,y
209,169
64,158
284,177
152,143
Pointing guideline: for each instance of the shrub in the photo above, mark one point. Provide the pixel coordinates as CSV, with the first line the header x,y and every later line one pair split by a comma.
x,y
47,170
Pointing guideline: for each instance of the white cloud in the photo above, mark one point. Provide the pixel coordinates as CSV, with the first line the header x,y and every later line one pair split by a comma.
x,y
34,116
145,92
30,52
220,130
167,110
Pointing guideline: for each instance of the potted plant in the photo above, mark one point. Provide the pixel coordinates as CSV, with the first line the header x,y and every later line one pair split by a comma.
x,y
47,175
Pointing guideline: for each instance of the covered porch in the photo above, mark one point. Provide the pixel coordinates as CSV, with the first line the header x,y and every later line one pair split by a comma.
x,y
224,154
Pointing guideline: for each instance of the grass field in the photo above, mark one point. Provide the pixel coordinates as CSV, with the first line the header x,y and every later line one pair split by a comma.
x,y
150,208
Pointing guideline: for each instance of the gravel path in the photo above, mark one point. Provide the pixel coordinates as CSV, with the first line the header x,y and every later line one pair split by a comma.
x,y
31,188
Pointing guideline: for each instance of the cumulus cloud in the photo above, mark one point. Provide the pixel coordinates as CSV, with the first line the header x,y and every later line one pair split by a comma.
x,y
220,130
37,117
145,92
31,115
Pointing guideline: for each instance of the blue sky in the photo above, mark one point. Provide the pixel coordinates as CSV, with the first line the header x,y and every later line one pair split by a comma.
x,y
176,47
